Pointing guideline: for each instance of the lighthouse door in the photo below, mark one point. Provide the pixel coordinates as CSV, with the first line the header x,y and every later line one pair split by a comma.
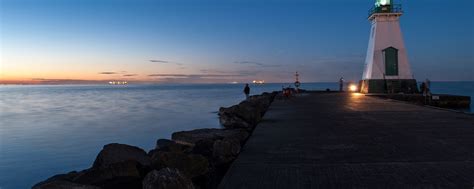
x,y
391,61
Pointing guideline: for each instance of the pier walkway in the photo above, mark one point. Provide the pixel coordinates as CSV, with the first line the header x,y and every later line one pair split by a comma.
x,y
337,140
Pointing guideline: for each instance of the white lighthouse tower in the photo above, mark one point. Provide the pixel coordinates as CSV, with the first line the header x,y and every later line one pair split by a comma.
x,y
387,69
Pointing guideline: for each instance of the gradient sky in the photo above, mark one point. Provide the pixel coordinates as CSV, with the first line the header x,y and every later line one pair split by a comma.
x,y
222,41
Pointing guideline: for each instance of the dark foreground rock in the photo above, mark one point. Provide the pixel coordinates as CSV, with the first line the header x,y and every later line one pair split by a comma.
x,y
127,174
246,114
194,136
192,165
61,184
114,153
166,178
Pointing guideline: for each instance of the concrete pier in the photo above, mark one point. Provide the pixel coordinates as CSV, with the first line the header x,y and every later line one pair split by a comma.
x,y
343,140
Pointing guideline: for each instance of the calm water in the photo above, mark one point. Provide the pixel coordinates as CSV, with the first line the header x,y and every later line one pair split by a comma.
x,y
46,130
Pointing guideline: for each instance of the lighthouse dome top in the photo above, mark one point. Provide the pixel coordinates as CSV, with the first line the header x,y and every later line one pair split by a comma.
x,y
385,6
379,3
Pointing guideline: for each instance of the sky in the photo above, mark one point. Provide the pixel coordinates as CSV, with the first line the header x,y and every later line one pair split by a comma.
x,y
210,41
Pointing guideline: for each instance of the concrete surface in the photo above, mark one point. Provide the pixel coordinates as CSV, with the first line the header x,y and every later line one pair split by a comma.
x,y
347,140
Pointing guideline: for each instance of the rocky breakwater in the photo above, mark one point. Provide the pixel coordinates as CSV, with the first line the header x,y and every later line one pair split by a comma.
x,y
191,159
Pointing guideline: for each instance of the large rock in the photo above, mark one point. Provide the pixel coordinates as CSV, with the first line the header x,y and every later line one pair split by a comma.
x,y
194,136
192,165
62,181
126,174
229,119
120,175
171,146
115,153
226,150
166,178
62,184
247,113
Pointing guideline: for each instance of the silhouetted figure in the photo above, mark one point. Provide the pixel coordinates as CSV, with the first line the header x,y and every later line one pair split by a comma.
x,y
247,91
341,84
423,88
428,87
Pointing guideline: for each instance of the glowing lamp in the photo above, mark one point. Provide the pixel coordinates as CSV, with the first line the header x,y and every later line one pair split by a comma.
x,y
353,88
382,3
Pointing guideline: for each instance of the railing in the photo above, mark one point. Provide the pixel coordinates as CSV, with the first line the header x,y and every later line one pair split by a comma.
x,y
395,8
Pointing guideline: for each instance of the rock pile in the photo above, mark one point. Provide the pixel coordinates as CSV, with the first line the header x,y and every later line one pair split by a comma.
x,y
192,159
247,113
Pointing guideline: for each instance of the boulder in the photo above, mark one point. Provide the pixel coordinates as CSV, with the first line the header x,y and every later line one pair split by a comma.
x,y
192,165
193,136
171,146
62,184
166,178
62,181
262,102
163,143
126,174
114,153
204,147
229,119
226,150
247,113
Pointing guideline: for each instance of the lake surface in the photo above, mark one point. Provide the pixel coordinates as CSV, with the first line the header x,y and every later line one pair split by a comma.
x,y
47,130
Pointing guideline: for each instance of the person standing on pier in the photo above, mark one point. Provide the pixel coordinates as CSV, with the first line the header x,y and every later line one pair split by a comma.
x,y
247,91
341,84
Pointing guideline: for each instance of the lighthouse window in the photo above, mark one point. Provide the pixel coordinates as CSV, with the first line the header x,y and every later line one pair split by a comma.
x,y
391,61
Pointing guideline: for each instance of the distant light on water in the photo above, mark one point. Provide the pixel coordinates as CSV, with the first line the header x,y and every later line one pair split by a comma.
x,y
118,82
258,81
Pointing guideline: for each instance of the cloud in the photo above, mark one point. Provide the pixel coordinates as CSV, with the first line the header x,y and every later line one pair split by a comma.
x,y
160,61
208,71
249,62
224,72
198,76
108,73
62,81
166,62
129,75
256,64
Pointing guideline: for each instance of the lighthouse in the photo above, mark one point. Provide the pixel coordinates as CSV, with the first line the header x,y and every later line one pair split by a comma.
x,y
387,69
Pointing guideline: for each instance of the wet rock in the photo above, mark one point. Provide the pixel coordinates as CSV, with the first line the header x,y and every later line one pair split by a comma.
x,y
247,113
163,143
166,178
60,181
62,184
171,146
192,165
204,147
194,136
229,119
126,174
250,111
114,153
225,151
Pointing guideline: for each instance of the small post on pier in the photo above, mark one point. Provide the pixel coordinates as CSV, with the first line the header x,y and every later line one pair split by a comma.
x,y
297,82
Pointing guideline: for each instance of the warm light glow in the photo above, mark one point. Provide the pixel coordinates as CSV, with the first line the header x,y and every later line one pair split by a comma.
x,y
353,88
